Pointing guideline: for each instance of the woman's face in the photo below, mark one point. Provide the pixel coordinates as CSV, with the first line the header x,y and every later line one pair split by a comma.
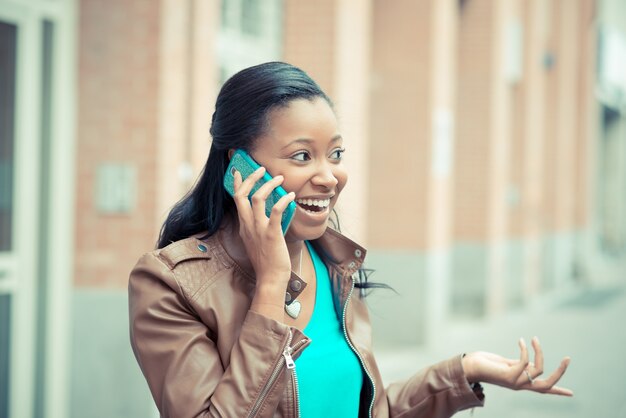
x,y
303,145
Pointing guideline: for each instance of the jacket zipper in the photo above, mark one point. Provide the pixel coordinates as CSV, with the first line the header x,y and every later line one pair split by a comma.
x,y
277,369
345,333
296,392
289,364
294,377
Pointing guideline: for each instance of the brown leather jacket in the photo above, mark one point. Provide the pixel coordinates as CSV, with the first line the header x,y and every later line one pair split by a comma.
x,y
205,354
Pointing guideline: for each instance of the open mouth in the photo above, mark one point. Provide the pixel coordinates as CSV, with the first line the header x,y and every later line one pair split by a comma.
x,y
313,205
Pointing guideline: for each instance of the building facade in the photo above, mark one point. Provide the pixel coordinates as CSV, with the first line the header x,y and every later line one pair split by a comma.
x,y
486,149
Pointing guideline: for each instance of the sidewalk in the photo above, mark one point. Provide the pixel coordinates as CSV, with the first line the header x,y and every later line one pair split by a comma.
x,y
588,325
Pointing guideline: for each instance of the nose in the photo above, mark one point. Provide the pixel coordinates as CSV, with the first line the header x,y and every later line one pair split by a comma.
x,y
325,176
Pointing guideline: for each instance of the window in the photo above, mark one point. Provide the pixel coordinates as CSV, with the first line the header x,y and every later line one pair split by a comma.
x,y
251,33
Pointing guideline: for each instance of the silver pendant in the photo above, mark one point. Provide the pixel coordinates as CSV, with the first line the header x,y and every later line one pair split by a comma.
x,y
293,310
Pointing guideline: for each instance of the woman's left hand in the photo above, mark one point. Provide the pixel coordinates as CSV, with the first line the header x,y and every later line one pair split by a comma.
x,y
515,374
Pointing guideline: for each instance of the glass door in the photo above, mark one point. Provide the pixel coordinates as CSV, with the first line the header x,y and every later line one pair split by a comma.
x,y
8,64
19,151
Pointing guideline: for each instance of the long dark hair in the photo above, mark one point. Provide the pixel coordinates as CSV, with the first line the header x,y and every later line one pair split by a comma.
x,y
241,116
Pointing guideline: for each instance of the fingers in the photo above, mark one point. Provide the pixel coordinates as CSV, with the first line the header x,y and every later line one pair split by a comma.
x,y
551,380
529,371
278,209
555,390
254,213
548,385
244,211
519,368
538,367
242,190
260,196
523,353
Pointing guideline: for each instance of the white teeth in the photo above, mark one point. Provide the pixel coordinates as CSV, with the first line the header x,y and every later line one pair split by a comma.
x,y
314,202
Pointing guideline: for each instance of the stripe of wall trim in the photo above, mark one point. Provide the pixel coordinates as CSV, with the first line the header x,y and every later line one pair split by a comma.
x,y
559,252
469,279
106,381
398,319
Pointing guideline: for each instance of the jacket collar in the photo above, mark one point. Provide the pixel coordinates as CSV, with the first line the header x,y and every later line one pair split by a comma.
x,y
344,256
347,255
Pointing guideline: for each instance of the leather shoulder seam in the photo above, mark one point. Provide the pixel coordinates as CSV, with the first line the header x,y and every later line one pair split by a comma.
x,y
183,250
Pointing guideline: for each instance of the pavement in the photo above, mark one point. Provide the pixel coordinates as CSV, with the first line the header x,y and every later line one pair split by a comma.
x,y
588,324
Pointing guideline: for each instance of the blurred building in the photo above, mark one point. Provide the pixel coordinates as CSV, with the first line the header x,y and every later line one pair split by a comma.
x,y
486,148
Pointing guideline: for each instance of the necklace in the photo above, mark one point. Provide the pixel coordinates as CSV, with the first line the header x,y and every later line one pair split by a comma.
x,y
293,309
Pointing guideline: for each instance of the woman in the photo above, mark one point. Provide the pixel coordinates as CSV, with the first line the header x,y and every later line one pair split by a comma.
x,y
229,318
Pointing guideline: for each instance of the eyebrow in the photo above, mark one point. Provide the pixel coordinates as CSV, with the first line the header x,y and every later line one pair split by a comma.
x,y
309,140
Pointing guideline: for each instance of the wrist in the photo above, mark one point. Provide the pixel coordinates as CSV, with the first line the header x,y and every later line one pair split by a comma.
x,y
273,311
472,379
269,300
269,294
273,280
468,368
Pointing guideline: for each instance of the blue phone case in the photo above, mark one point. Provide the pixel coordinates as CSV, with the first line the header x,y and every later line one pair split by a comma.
x,y
243,162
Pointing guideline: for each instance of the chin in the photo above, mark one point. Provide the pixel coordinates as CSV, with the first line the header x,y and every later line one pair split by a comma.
x,y
297,232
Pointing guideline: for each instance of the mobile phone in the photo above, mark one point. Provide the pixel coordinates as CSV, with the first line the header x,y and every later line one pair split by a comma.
x,y
245,164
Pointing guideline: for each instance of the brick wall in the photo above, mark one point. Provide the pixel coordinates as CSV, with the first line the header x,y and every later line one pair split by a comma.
x,y
399,124
473,153
117,122
147,85
144,100
309,38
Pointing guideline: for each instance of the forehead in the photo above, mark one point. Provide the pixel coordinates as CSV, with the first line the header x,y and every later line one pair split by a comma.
x,y
301,119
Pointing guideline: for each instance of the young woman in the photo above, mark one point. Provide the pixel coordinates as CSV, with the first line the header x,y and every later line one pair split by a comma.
x,y
231,318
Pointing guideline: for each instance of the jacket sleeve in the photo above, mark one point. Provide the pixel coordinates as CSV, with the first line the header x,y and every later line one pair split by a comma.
x,y
438,391
180,361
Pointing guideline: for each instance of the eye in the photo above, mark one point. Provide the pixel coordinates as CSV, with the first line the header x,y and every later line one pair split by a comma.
x,y
337,153
301,156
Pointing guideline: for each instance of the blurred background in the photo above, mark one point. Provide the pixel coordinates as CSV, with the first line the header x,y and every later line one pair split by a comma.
x,y
487,154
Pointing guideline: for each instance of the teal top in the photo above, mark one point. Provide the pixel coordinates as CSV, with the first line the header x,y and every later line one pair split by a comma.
x,y
328,372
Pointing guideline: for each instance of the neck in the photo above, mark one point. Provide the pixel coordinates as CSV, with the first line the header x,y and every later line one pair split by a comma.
x,y
295,248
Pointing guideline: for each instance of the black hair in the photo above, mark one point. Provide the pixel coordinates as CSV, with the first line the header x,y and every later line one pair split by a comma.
x,y
241,116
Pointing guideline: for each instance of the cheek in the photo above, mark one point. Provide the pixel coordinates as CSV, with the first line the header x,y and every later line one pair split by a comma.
x,y
293,181
341,174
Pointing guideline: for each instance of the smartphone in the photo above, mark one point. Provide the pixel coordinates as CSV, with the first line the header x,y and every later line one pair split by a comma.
x,y
245,164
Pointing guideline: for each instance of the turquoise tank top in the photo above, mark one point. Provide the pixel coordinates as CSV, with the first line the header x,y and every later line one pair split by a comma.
x,y
329,374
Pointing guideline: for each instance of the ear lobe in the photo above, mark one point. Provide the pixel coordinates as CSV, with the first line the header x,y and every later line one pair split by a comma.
x,y
230,153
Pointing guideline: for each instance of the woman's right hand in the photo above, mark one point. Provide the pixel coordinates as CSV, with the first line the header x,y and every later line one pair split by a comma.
x,y
264,241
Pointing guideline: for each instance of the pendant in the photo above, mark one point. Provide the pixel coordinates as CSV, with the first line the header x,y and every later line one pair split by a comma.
x,y
293,310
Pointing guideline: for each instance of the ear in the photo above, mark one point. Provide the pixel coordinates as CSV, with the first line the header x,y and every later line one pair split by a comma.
x,y
230,153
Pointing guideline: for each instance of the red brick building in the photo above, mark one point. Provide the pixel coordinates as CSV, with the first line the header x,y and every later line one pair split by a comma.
x,y
485,142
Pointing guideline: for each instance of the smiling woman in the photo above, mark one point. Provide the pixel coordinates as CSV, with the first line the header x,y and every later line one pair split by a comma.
x,y
231,318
